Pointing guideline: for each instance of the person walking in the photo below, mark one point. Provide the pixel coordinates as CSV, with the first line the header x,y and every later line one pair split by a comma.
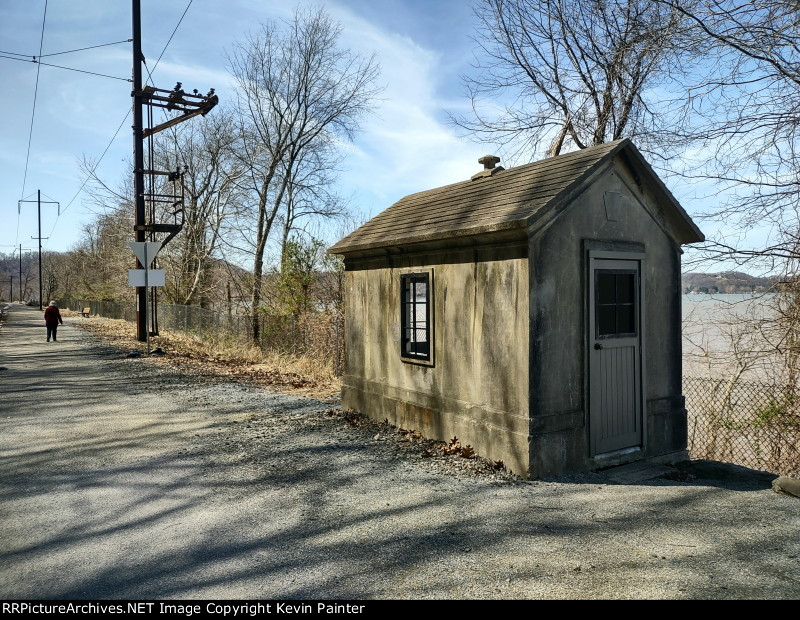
x,y
52,318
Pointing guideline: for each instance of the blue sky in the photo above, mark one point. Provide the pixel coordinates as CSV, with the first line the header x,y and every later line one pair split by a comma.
x,y
407,146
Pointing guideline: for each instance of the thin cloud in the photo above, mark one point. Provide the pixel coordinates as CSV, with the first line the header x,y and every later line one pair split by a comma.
x,y
408,145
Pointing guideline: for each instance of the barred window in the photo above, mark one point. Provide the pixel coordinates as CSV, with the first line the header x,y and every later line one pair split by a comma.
x,y
415,316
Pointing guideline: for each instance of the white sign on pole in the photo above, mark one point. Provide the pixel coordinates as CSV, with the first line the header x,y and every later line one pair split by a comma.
x,y
155,277
145,251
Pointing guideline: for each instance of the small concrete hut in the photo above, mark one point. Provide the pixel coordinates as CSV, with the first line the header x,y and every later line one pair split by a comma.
x,y
534,313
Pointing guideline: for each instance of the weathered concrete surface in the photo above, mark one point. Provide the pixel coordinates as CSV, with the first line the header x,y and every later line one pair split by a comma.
x,y
477,387
493,375
120,479
559,325
785,484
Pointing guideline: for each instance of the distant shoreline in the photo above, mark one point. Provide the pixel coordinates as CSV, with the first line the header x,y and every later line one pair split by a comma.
x,y
727,283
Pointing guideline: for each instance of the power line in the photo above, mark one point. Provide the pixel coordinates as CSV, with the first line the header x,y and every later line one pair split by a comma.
x,y
166,45
113,77
149,73
52,199
80,49
173,34
35,95
33,114
97,163
116,133
47,64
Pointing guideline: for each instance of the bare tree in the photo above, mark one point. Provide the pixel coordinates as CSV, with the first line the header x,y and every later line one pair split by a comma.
x,y
297,90
210,173
309,193
50,275
203,152
10,265
746,103
102,257
551,73
28,283
100,260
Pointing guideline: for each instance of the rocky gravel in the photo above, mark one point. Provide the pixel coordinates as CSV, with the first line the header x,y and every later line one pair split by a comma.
x,y
124,478
272,415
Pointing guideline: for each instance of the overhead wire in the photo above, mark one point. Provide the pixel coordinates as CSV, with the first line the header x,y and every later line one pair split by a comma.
x,y
80,49
48,64
33,116
173,34
127,115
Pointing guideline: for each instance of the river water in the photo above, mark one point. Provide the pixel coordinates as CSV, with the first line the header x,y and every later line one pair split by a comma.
x,y
726,334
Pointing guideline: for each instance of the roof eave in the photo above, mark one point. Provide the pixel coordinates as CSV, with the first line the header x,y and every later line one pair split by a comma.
x,y
686,231
681,227
489,232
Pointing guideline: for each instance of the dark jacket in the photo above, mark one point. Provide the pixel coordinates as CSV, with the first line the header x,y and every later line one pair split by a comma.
x,y
52,316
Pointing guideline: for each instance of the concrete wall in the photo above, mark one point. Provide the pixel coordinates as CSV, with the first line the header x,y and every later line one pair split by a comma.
x,y
559,307
477,385
509,373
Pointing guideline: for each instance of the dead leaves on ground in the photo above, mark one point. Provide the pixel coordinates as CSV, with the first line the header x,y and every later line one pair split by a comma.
x,y
352,418
455,447
188,354
413,440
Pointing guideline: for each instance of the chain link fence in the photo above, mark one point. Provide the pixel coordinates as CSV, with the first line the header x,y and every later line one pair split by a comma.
x,y
318,335
744,422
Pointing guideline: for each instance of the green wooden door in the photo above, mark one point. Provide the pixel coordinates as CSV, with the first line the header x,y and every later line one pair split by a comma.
x,y
615,376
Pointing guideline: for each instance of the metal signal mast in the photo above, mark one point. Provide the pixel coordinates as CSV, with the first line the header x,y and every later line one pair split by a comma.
x,y
148,191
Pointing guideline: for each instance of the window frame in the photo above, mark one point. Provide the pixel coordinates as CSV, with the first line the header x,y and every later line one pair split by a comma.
x,y
633,304
412,324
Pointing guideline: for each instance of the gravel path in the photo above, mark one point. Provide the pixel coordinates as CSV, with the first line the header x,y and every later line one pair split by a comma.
x,y
122,479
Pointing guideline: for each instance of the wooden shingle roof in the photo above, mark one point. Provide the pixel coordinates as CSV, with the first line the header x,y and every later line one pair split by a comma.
x,y
508,199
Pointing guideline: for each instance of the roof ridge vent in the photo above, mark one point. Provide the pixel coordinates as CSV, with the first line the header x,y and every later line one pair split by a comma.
x,y
489,162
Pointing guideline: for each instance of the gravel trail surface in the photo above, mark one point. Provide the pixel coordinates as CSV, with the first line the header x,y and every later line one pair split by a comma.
x,y
124,479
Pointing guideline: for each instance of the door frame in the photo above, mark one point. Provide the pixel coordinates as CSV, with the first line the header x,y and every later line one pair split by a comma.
x,y
589,331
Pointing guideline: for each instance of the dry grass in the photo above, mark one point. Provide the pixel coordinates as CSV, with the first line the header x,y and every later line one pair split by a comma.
x,y
284,373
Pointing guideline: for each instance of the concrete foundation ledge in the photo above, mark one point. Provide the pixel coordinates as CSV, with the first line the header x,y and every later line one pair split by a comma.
x,y
669,459
786,484
636,455
489,441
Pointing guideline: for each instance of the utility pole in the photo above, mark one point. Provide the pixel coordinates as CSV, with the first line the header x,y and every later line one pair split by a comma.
x,y
11,278
39,203
21,292
138,163
186,106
